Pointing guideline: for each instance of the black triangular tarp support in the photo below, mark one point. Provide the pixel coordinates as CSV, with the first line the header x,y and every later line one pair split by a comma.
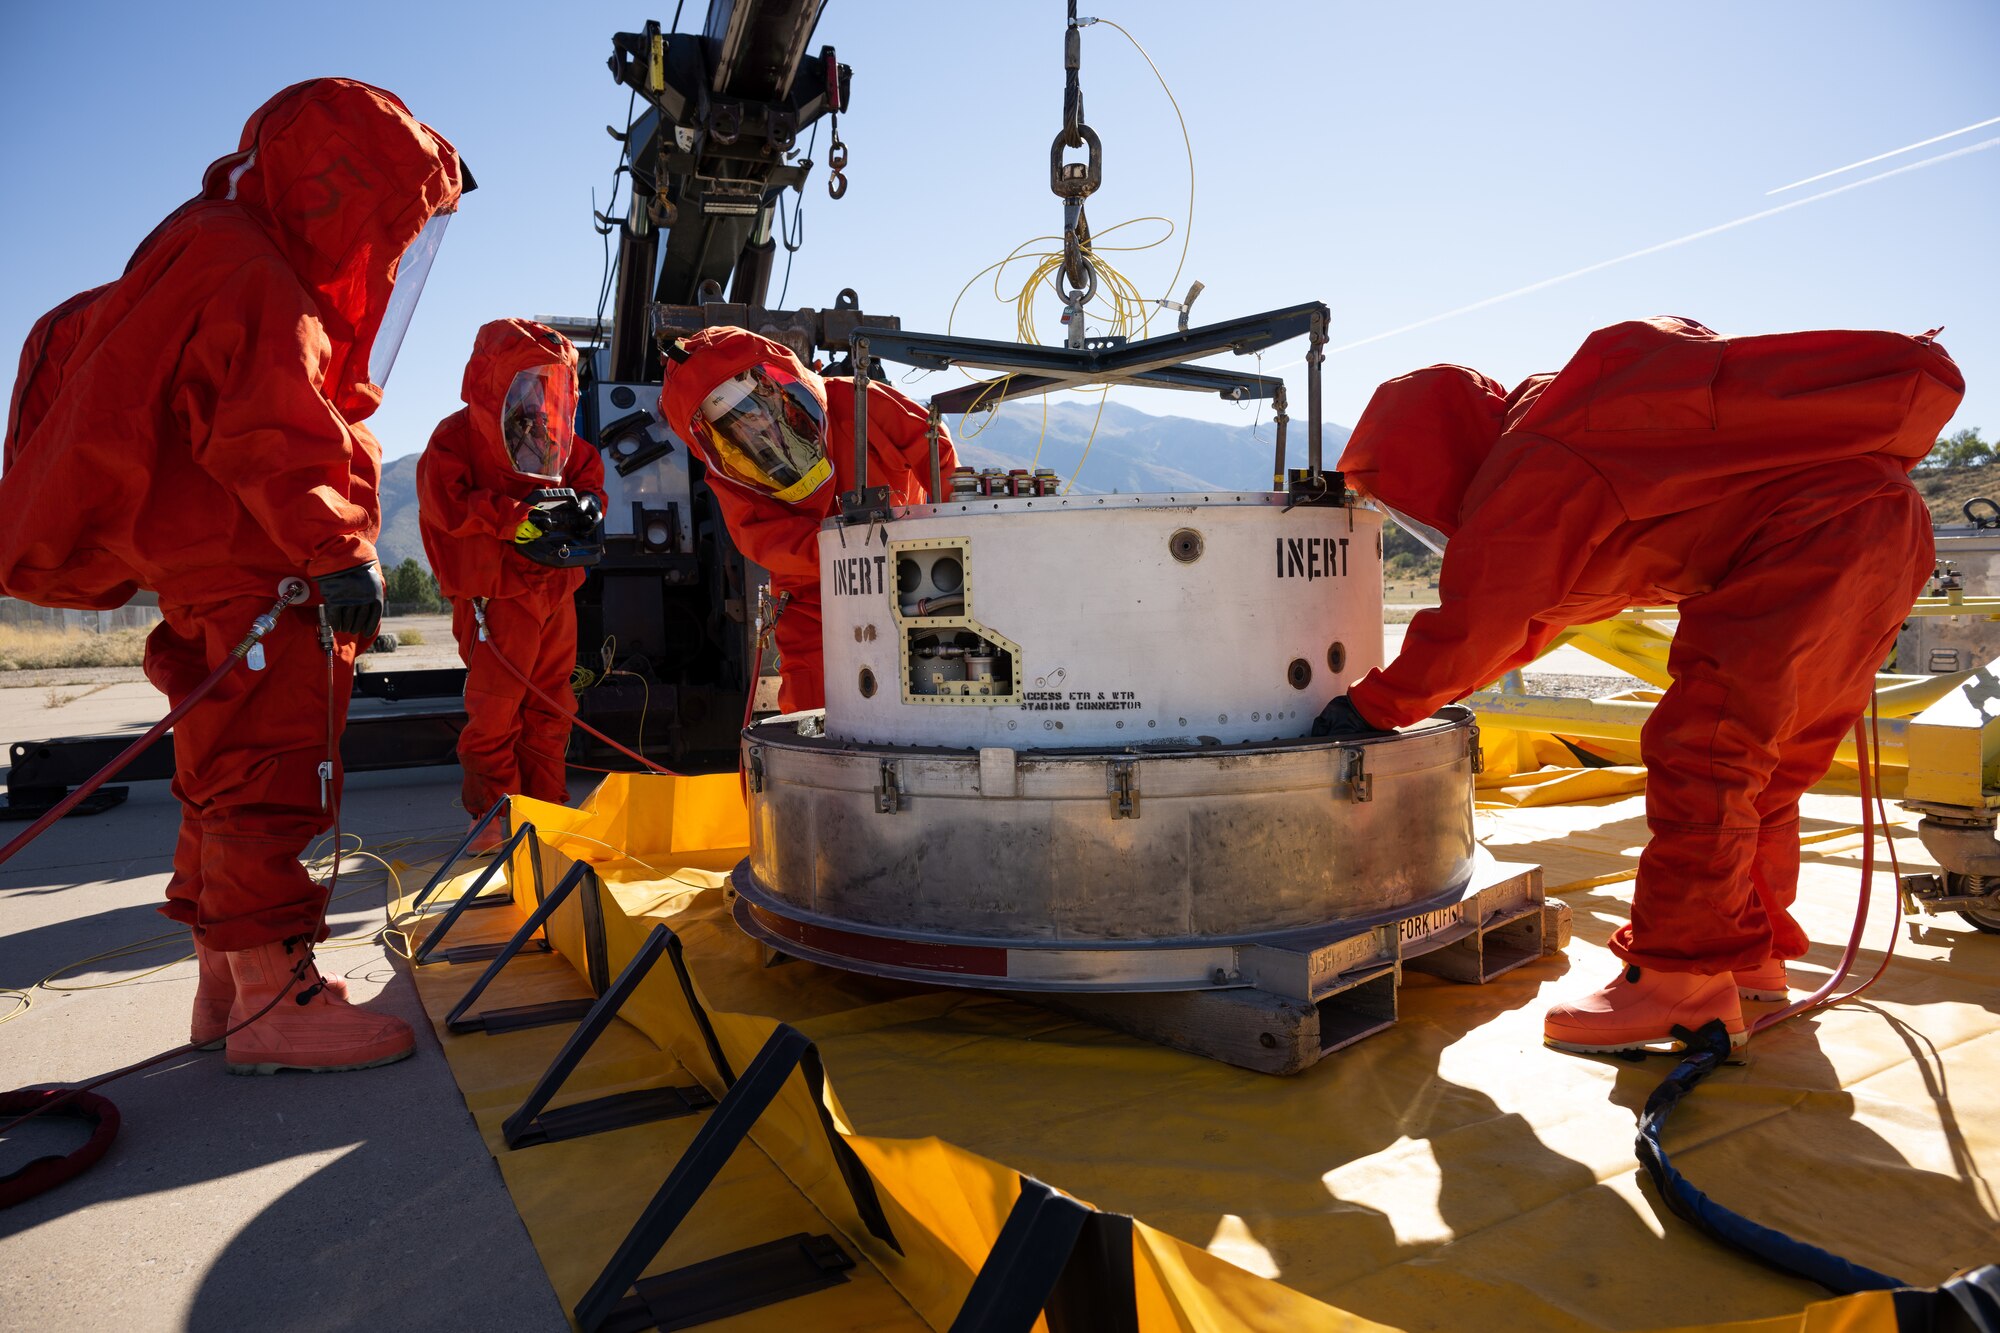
x,y
476,896
1968,1303
1058,1257
608,1308
518,1017
450,863
534,1124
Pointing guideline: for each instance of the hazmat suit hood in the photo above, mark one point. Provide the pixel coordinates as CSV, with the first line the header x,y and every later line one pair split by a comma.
x,y
503,349
1422,439
471,498
711,357
341,177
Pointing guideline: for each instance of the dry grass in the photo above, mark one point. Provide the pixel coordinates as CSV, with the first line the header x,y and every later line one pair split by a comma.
x,y
56,698
1946,489
412,637
24,649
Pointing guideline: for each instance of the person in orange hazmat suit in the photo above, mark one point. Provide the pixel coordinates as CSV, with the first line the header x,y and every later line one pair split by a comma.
x,y
1760,483
503,481
195,428
776,439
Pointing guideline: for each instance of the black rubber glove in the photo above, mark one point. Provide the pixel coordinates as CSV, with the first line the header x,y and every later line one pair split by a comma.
x,y
590,509
1341,718
354,600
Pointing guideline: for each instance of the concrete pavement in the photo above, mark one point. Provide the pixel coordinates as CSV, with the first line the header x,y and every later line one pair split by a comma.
x,y
290,1202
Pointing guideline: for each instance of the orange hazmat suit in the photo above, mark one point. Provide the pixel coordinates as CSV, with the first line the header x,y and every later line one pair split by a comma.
x,y
783,536
1761,483
472,497
195,428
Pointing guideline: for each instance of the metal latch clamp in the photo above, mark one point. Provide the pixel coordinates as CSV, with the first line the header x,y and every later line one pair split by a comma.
x,y
1124,789
888,796
1355,778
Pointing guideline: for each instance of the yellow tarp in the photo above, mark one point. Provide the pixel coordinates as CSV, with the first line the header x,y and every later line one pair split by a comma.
x,y
1449,1173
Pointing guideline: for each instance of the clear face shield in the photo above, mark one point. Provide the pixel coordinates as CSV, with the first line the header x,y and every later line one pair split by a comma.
x,y
1417,528
769,431
411,271
536,421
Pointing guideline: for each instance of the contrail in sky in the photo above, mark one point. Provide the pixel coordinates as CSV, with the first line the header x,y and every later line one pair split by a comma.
x,y
1602,264
1870,161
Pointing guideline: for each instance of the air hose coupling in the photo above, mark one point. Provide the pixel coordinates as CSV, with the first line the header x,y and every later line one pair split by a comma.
x,y
290,592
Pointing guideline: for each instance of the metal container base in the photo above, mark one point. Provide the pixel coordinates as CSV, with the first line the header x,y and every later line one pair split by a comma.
x,y
1472,932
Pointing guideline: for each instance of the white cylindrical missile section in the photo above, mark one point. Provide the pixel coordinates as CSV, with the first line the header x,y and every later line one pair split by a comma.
x,y
1169,621
1067,747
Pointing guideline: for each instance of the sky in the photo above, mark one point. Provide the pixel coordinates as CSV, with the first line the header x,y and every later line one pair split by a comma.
x,y
1399,162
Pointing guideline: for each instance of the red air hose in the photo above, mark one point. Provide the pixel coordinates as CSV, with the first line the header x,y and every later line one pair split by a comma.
x,y
290,591
1865,756
78,1100
479,614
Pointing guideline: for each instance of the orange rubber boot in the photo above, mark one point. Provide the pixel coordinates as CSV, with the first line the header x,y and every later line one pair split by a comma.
x,y
1766,981
214,992
1641,1008
312,1027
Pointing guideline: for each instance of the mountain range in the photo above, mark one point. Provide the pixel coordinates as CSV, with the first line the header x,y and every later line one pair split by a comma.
x,y
1131,452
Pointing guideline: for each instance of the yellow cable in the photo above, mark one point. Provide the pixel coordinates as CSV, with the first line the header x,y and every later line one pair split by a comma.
x,y
316,864
1123,310
645,700
1102,399
1187,231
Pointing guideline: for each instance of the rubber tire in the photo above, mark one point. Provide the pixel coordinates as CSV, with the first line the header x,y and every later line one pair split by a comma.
x,y
1977,918
1988,922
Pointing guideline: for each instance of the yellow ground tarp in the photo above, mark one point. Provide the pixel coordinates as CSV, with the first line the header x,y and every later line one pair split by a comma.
x,y
1449,1173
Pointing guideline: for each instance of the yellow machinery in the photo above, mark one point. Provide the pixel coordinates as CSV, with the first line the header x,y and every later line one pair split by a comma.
x,y
1939,742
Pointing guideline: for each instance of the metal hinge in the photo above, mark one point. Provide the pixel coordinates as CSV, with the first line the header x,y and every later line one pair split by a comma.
x,y
756,765
888,796
1354,775
1124,791
1478,755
